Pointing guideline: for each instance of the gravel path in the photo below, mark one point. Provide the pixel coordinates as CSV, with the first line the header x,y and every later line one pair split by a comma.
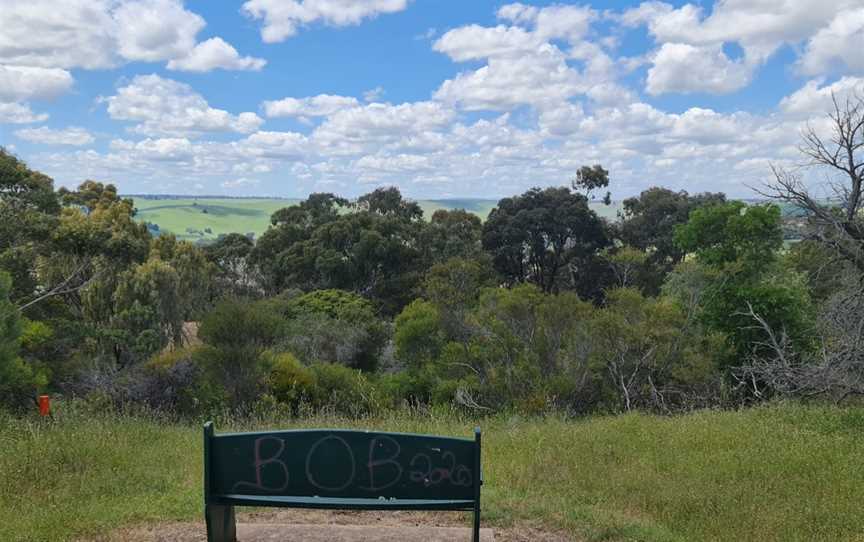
x,y
329,526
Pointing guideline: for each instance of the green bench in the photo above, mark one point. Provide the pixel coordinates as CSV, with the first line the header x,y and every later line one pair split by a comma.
x,y
337,469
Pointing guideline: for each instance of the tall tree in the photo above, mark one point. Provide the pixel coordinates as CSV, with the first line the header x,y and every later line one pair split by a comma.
x,y
29,209
740,244
544,236
648,221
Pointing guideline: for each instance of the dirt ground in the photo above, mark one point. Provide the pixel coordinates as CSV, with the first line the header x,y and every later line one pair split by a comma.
x,y
195,531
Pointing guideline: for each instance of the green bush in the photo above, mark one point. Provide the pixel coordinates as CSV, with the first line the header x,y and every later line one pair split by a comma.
x,y
174,381
235,324
344,390
334,326
289,381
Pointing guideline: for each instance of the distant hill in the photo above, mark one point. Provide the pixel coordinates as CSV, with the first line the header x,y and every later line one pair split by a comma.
x,y
204,218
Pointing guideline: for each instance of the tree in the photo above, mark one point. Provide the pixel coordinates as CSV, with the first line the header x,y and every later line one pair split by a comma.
x,y
648,223
333,326
740,244
389,202
538,236
452,234
838,221
590,179
234,273
17,380
649,353
373,252
28,214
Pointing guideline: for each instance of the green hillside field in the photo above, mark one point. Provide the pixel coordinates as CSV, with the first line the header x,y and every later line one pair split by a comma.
x,y
204,219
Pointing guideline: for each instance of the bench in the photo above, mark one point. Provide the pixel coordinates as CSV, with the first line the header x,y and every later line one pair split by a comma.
x,y
337,469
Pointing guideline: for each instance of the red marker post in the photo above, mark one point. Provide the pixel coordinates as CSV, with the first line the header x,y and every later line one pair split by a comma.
x,y
44,405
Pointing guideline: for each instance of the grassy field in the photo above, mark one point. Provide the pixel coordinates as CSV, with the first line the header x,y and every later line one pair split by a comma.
x,y
205,218
783,472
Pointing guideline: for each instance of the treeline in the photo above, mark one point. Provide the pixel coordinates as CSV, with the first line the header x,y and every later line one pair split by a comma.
x,y
685,301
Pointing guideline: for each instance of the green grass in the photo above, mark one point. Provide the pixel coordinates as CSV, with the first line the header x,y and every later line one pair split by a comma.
x,y
784,472
178,216
186,218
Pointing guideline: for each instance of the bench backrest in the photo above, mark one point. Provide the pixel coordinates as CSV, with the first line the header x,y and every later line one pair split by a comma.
x,y
342,464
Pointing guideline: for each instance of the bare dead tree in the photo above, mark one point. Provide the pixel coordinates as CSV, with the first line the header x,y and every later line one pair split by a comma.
x,y
835,370
836,222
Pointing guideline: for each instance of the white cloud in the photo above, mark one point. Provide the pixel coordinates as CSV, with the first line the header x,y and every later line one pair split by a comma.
x,y
350,130
55,34
839,45
282,18
524,64
166,107
242,182
679,67
475,42
815,99
215,53
29,83
160,149
98,34
18,113
833,28
152,30
313,106
539,78
72,135
374,94
281,145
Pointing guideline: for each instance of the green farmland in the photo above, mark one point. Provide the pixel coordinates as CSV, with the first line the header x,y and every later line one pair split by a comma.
x,y
206,218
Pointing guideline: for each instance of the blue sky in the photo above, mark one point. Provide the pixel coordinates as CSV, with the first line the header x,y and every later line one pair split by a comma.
x,y
439,97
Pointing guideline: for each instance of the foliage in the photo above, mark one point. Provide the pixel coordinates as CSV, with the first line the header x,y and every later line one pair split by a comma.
x,y
648,224
333,326
17,380
741,244
545,237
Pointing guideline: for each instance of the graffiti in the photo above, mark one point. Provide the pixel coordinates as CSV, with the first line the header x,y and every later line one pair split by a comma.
x,y
332,465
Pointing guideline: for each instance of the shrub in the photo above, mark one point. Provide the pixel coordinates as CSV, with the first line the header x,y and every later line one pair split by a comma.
x,y
234,324
333,326
173,381
344,390
289,381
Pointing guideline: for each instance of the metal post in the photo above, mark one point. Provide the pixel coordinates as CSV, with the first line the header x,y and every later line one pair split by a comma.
x,y
221,525
478,481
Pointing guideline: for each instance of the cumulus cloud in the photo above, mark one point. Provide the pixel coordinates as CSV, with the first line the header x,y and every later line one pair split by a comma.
x,y
831,28
351,130
215,53
98,34
32,83
18,113
679,67
162,106
159,149
242,182
525,64
152,30
283,18
477,42
839,45
815,97
540,78
72,135
313,106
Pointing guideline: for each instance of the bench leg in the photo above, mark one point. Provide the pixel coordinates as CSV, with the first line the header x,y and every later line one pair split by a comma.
x,y
221,526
